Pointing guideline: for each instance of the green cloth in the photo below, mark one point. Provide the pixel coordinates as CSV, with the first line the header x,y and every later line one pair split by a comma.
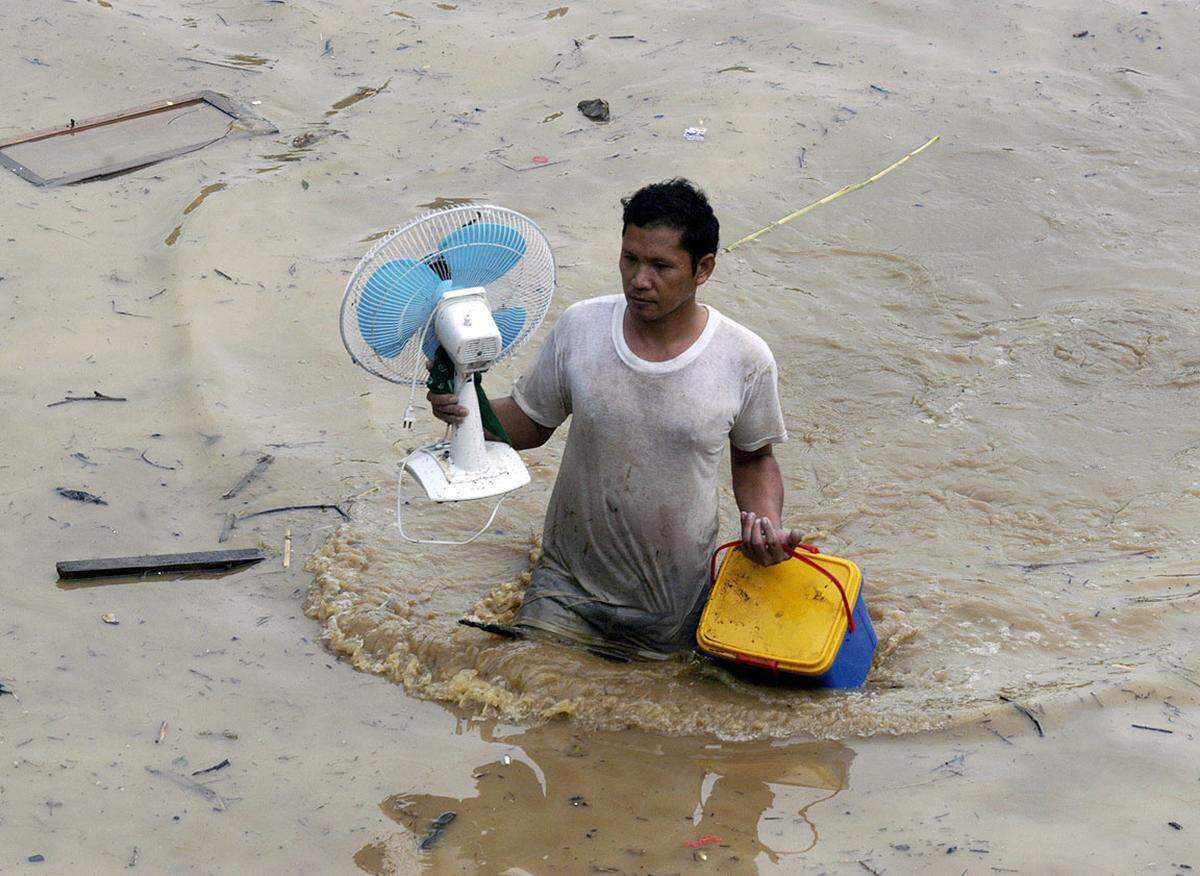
x,y
441,381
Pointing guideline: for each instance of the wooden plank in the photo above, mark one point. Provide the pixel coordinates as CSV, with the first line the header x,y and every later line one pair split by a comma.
x,y
201,561
111,118
219,102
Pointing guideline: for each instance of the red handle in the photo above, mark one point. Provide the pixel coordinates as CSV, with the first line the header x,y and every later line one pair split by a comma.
x,y
712,572
760,662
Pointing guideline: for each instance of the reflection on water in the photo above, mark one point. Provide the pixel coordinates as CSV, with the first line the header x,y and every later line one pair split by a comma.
x,y
558,801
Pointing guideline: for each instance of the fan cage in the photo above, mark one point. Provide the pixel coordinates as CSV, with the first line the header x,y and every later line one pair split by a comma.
x,y
529,283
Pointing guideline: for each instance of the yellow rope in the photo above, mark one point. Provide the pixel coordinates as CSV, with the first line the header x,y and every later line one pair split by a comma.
x,y
845,190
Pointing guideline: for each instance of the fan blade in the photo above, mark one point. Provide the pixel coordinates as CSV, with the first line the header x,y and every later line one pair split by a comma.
x,y
482,253
395,303
510,321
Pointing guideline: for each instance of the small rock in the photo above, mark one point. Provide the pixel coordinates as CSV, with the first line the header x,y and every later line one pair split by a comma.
x,y
36,859
110,618
595,109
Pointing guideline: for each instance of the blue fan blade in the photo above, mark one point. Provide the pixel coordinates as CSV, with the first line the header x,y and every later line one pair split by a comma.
x,y
482,253
510,321
395,303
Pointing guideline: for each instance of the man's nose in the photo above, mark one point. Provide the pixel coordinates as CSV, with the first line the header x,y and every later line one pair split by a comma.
x,y
641,278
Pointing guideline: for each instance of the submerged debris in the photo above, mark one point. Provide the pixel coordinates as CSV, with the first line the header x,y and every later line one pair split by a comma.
x,y
79,496
213,768
260,466
95,396
436,828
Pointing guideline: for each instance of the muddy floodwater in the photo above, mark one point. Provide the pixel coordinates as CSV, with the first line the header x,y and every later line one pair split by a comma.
x,y
989,363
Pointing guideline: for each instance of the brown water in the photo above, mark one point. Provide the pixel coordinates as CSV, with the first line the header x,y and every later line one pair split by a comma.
x,y
990,381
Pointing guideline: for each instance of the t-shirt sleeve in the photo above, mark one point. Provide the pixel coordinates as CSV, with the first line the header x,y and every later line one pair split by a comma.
x,y
760,420
543,393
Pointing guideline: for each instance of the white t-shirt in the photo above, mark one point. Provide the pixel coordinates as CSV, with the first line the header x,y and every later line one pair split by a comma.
x,y
633,517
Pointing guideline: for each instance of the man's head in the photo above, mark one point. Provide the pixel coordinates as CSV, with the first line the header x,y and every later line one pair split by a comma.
x,y
668,246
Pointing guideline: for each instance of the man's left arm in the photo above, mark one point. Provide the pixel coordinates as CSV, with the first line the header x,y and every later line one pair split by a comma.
x,y
758,489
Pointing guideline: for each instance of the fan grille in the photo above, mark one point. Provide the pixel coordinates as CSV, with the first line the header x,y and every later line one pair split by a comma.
x,y
528,284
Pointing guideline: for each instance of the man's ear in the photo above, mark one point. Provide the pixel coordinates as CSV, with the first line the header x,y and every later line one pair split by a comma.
x,y
705,268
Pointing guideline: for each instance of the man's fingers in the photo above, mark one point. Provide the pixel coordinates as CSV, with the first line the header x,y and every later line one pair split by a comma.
x,y
747,526
446,408
772,542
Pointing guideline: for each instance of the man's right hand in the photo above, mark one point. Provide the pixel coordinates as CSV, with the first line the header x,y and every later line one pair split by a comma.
x,y
445,406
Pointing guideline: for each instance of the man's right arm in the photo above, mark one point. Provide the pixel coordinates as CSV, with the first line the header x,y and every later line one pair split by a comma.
x,y
524,432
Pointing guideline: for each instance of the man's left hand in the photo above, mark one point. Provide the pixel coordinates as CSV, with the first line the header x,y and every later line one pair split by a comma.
x,y
765,543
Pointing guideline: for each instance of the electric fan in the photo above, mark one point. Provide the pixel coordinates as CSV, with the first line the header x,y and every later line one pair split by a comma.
x,y
464,286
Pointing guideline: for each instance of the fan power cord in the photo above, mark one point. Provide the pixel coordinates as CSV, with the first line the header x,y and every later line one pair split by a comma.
x,y
409,538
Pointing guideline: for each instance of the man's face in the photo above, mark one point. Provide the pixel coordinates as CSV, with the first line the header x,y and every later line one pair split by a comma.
x,y
656,271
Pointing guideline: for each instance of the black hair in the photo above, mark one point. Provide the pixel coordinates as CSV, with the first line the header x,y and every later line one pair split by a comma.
x,y
675,203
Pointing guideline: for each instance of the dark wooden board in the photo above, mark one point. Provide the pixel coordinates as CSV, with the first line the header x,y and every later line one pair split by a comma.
x,y
201,561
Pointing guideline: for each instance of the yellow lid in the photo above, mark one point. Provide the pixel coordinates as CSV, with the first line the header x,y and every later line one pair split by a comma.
x,y
787,616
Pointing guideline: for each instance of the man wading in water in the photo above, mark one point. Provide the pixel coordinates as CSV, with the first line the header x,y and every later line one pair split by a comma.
x,y
657,385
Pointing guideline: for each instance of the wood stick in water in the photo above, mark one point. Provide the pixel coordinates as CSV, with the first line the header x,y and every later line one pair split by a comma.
x,y
201,561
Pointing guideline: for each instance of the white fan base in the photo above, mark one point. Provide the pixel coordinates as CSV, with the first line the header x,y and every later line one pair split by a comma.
x,y
445,482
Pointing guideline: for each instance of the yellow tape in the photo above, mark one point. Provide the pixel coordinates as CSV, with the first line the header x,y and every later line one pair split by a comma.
x,y
845,190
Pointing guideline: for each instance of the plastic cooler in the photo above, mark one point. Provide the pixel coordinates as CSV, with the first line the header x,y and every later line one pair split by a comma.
x,y
790,618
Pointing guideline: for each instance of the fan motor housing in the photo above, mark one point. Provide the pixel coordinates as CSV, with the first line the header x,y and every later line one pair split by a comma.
x,y
466,329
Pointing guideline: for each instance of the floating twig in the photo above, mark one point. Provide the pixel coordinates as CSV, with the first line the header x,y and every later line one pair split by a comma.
x,y
219,64
1148,727
227,527
998,734
530,167
127,313
318,507
263,463
95,396
845,190
1024,711
188,785
221,273
287,548
212,769
495,629
156,465
79,496
1168,598
162,733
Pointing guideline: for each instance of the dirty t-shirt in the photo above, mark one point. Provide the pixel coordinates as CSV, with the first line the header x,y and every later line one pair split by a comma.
x,y
633,517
